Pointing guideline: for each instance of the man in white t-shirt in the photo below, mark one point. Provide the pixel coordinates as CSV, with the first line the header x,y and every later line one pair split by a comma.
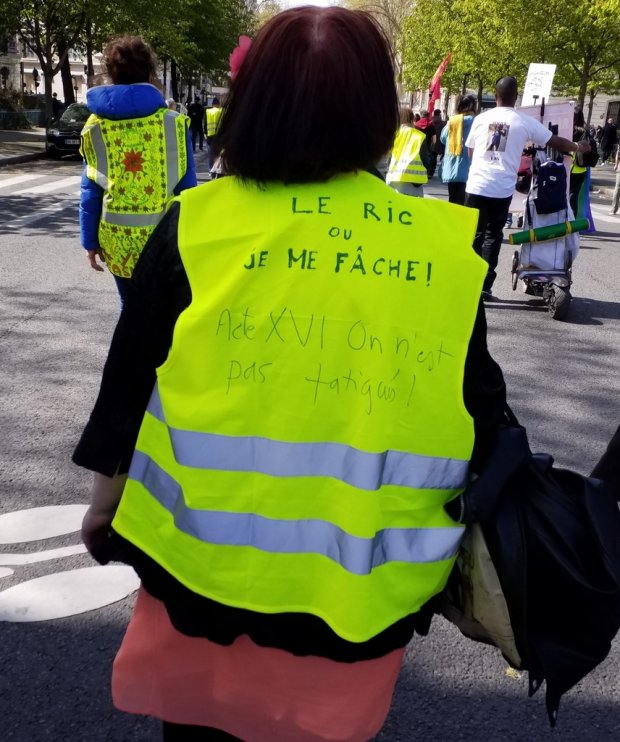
x,y
495,142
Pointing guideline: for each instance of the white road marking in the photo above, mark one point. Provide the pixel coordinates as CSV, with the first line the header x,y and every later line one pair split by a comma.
x,y
64,594
55,185
600,214
20,179
24,221
35,524
34,557
5,571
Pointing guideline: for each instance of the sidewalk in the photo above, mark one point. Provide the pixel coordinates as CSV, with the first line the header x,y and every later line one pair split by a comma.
x,y
603,179
21,146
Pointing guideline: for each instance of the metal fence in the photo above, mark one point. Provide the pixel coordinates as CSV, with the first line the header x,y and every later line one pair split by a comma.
x,y
21,119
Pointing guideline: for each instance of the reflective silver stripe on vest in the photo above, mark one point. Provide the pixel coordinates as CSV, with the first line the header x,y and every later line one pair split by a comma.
x,y
102,172
361,469
309,536
132,220
415,169
172,151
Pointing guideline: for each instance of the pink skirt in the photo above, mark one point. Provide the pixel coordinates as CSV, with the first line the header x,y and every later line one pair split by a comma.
x,y
255,693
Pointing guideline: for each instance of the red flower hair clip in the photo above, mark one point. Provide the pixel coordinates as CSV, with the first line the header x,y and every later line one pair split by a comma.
x,y
238,55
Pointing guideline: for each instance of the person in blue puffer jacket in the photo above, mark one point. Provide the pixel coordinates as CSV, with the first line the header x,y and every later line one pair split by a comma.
x,y
137,157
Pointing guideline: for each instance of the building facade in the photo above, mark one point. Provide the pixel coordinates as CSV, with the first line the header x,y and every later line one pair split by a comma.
x,y
20,70
9,64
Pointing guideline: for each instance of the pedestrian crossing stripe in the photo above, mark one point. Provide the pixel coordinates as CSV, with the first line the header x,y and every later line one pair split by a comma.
x,y
61,593
38,184
56,185
18,179
24,221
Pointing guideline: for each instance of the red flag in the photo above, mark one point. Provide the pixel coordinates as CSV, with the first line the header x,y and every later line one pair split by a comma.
x,y
434,88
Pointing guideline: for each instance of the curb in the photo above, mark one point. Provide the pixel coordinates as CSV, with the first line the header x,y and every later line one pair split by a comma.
x,y
16,159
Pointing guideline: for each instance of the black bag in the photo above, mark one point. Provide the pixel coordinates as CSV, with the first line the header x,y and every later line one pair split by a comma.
x,y
549,192
553,537
587,159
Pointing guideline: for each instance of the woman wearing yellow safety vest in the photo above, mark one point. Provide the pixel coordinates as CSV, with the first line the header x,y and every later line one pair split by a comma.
x,y
212,118
136,158
410,159
296,393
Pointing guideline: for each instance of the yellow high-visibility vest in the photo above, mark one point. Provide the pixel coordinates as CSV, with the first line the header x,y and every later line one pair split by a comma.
x,y
575,168
308,425
406,165
138,163
213,116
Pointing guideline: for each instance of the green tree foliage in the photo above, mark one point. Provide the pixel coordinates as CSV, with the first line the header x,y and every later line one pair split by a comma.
x,y
197,35
585,45
489,41
480,37
391,14
265,11
50,28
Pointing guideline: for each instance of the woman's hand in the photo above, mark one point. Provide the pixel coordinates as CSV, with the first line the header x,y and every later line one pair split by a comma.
x,y
92,259
97,534
96,525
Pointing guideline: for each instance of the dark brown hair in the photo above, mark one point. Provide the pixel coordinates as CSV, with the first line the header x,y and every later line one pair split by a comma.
x,y
128,60
466,103
315,96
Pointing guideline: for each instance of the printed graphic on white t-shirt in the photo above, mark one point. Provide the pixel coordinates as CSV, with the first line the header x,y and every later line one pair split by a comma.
x,y
497,138
498,134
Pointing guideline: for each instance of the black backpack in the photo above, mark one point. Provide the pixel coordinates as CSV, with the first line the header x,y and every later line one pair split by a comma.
x,y
554,539
549,193
588,159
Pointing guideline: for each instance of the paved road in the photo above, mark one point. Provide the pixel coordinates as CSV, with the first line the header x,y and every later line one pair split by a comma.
x,y
56,319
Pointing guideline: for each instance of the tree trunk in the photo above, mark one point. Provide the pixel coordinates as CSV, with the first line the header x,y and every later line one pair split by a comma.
x,y
68,92
583,83
464,85
165,71
479,94
90,69
446,99
174,82
590,106
47,81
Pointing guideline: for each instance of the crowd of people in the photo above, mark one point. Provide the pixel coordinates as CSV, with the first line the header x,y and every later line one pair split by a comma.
x,y
289,497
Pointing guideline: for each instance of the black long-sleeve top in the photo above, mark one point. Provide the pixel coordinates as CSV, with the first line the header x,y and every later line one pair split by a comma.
x,y
158,292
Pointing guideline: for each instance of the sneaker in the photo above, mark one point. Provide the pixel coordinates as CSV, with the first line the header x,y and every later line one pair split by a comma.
x,y
612,213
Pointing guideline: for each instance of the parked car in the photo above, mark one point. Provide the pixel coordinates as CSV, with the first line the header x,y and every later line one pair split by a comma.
x,y
63,134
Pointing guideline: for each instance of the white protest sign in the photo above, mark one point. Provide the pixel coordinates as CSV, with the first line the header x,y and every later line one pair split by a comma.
x,y
538,84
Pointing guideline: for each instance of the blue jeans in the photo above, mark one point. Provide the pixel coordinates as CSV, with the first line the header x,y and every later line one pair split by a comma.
x,y
122,284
